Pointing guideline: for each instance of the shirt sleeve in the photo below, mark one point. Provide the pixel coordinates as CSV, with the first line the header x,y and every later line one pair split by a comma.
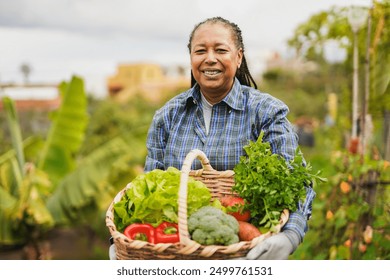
x,y
155,144
278,131
297,220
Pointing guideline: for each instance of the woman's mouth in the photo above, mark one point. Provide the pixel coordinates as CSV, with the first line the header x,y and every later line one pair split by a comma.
x,y
211,73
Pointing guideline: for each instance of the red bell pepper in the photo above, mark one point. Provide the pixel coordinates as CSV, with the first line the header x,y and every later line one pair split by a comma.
x,y
167,233
144,232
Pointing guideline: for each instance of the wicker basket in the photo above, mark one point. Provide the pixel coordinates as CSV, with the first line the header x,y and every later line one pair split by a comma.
x,y
219,184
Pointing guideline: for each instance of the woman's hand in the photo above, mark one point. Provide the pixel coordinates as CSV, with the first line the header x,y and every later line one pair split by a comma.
x,y
276,247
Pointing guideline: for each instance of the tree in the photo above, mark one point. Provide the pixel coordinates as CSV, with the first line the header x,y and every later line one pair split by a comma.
x,y
380,52
311,39
26,71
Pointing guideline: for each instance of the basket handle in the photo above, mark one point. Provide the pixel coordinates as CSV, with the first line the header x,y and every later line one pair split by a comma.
x,y
182,202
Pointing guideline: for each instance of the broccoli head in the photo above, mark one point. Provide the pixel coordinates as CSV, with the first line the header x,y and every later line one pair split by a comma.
x,y
212,226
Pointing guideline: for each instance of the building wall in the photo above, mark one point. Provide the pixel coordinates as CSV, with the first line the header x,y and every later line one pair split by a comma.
x,y
150,80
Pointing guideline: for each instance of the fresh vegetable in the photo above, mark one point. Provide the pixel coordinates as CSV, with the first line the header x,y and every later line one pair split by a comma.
x,y
247,231
211,226
235,207
271,183
152,198
144,232
164,233
167,233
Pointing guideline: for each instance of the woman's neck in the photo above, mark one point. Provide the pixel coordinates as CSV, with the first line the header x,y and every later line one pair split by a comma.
x,y
214,97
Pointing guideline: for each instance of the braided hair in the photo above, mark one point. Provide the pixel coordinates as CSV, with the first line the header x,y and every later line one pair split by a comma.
x,y
242,74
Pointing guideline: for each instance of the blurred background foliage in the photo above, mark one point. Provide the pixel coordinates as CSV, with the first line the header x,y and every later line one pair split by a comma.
x,y
59,183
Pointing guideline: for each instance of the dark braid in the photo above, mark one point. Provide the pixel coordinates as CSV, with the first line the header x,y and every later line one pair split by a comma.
x,y
242,74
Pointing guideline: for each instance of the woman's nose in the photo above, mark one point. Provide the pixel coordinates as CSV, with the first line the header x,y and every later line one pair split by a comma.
x,y
211,58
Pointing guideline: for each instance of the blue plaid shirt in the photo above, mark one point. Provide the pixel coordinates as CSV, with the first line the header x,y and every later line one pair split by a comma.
x,y
178,127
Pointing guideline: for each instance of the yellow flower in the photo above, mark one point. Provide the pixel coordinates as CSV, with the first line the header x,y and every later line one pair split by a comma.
x,y
345,187
329,215
347,243
362,247
367,234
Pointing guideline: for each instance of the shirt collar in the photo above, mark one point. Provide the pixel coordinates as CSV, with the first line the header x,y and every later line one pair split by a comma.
x,y
234,99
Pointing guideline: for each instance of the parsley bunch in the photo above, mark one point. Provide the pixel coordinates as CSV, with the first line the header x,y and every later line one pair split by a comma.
x,y
269,184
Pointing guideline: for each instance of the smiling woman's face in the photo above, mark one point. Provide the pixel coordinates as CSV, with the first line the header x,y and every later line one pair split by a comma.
x,y
214,60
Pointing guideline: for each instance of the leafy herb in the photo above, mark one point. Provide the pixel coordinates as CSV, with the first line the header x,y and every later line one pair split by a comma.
x,y
269,184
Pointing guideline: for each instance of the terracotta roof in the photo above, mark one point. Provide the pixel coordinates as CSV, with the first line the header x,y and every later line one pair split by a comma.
x,y
34,97
35,104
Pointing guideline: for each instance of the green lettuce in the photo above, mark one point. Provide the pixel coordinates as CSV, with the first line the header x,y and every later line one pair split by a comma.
x,y
153,198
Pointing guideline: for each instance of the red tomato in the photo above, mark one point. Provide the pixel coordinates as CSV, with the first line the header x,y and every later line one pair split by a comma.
x,y
234,207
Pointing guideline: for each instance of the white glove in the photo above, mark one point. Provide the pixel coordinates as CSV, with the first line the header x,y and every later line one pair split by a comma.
x,y
276,247
112,252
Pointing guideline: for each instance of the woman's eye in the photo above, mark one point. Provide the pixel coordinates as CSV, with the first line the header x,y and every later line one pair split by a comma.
x,y
221,51
199,51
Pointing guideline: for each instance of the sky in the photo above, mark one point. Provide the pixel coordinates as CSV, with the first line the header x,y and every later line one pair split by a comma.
x,y
89,38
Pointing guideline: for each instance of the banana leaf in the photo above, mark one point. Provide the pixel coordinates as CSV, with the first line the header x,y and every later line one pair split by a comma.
x,y
67,131
85,185
16,135
26,209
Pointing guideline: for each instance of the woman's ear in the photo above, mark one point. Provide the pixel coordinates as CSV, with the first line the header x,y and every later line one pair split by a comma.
x,y
240,54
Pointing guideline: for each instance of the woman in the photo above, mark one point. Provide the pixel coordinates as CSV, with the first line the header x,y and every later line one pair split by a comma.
x,y
219,115
221,112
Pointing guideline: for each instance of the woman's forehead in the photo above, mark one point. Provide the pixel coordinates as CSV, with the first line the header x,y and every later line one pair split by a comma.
x,y
213,31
